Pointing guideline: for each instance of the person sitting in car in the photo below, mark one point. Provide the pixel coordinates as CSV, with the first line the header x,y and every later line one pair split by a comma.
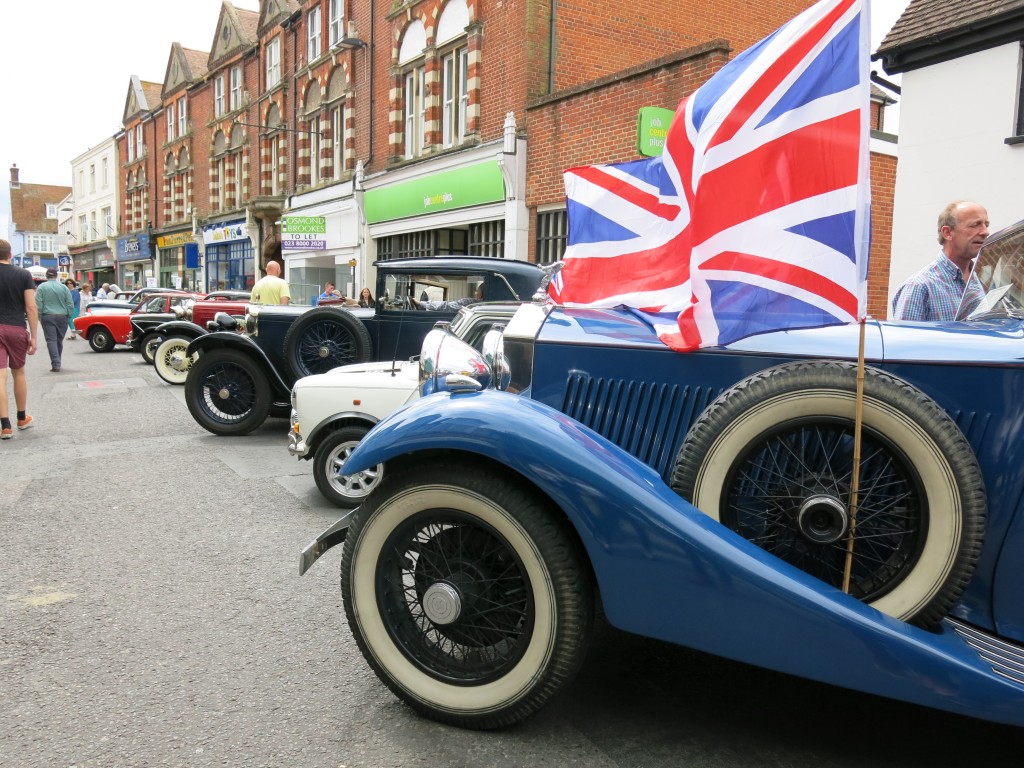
x,y
451,306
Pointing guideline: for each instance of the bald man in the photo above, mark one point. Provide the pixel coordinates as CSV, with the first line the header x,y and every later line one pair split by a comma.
x,y
271,289
935,292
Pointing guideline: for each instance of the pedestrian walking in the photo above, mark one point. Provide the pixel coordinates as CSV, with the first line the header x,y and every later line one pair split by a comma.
x,y
53,300
76,299
86,297
18,327
271,288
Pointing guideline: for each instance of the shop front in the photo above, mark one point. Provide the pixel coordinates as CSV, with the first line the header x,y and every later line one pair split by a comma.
x,y
178,261
134,262
320,243
446,208
230,257
95,266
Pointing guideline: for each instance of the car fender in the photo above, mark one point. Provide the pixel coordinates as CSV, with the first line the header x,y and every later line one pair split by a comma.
x,y
343,419
666,570
233,340
181,328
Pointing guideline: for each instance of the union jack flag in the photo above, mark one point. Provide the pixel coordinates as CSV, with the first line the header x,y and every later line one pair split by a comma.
x,y
756,216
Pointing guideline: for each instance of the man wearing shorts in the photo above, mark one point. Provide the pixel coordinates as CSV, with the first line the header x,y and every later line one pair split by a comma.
x,y
18,328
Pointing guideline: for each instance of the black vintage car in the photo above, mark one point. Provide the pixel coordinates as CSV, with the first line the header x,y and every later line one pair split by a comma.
x,y
237,380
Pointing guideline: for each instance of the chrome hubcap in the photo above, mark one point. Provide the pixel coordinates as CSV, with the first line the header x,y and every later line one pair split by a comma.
x,y
441,603
823,519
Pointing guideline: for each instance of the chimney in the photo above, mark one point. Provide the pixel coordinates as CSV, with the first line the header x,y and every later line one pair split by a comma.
x,y
15,184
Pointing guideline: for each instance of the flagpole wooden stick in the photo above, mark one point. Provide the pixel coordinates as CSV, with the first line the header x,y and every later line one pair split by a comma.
x,y
855,478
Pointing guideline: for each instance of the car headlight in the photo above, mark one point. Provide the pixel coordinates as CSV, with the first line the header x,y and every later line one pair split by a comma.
x,y
252,315
448,364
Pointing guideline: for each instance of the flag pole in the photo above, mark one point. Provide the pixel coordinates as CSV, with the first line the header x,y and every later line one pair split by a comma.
x,y
855,478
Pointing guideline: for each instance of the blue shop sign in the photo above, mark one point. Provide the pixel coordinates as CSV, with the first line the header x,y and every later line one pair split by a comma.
x,y
133,248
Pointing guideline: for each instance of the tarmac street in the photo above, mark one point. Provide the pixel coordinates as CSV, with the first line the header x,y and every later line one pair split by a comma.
x,y
151,614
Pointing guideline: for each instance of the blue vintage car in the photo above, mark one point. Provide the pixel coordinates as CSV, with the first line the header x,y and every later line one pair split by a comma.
x,y
708,499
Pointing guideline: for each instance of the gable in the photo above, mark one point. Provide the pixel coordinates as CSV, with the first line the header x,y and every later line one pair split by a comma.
x,y
273,12
233,34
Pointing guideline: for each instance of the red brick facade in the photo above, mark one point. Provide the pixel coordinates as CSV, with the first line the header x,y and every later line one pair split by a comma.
x,y
574,76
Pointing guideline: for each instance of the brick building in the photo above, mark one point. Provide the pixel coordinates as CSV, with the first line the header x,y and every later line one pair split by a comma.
x,y
330,133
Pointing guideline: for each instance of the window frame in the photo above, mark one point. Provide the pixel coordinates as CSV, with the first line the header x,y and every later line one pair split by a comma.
x,y
218,96
235,91
131,149
182,116
338,133
171,122
273,63
314,34
336,22
414,108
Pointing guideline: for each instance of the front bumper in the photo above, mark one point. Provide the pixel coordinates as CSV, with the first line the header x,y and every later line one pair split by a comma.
x,y
332,536
296,442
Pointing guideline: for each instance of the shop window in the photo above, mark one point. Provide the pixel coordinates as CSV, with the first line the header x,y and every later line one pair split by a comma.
x,y
487,238
552,231
431,242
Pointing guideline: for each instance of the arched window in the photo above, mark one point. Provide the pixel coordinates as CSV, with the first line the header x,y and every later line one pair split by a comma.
x,y
454,55
336,114
414,97
313,137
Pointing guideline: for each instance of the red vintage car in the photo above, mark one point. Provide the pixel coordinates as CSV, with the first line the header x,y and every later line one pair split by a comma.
x,y
106,328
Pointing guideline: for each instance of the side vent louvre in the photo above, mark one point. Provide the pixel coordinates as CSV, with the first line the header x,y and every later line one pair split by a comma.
x,y
647,420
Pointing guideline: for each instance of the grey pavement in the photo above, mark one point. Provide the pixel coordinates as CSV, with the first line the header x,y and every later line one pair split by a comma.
x,y
152,615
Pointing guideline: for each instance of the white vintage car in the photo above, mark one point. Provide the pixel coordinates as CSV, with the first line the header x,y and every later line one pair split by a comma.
x,y
332,411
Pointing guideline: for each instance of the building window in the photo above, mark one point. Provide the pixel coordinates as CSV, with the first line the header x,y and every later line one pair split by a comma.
x,y
273,62
336,19
105,177
51,210
314,150
92,226
81,171
139,146
455,96
415,118
218,96
182,117
313,35
338,141
236,88
108,222
170,122
131,154
487,238
430,242
552,230
83,229
92,178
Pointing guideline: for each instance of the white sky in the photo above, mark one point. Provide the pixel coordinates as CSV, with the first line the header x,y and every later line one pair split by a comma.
x,y
69,64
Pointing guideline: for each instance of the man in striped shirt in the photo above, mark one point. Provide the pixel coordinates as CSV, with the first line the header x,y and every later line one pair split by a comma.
x,y
935,292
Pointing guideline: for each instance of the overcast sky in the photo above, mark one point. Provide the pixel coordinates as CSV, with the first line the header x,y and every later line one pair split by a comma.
x,y
68,64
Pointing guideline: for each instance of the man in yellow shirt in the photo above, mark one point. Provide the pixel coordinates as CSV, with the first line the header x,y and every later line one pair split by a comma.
x,y
271,289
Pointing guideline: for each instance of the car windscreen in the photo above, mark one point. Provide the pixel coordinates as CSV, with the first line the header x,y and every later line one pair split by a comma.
x,y
999,268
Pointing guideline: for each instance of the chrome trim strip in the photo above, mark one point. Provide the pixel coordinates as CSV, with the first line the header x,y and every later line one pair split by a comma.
x,y
1006,658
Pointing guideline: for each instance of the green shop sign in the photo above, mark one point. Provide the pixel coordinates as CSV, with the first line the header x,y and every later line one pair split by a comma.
x,y
651,129
445,191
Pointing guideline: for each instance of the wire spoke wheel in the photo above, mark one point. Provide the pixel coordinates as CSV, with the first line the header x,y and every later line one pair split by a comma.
x,y
467,593
772,459
458,596
790,494
227,393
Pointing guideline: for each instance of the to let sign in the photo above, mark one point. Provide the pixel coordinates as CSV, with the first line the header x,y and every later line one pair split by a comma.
x,y
303,233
